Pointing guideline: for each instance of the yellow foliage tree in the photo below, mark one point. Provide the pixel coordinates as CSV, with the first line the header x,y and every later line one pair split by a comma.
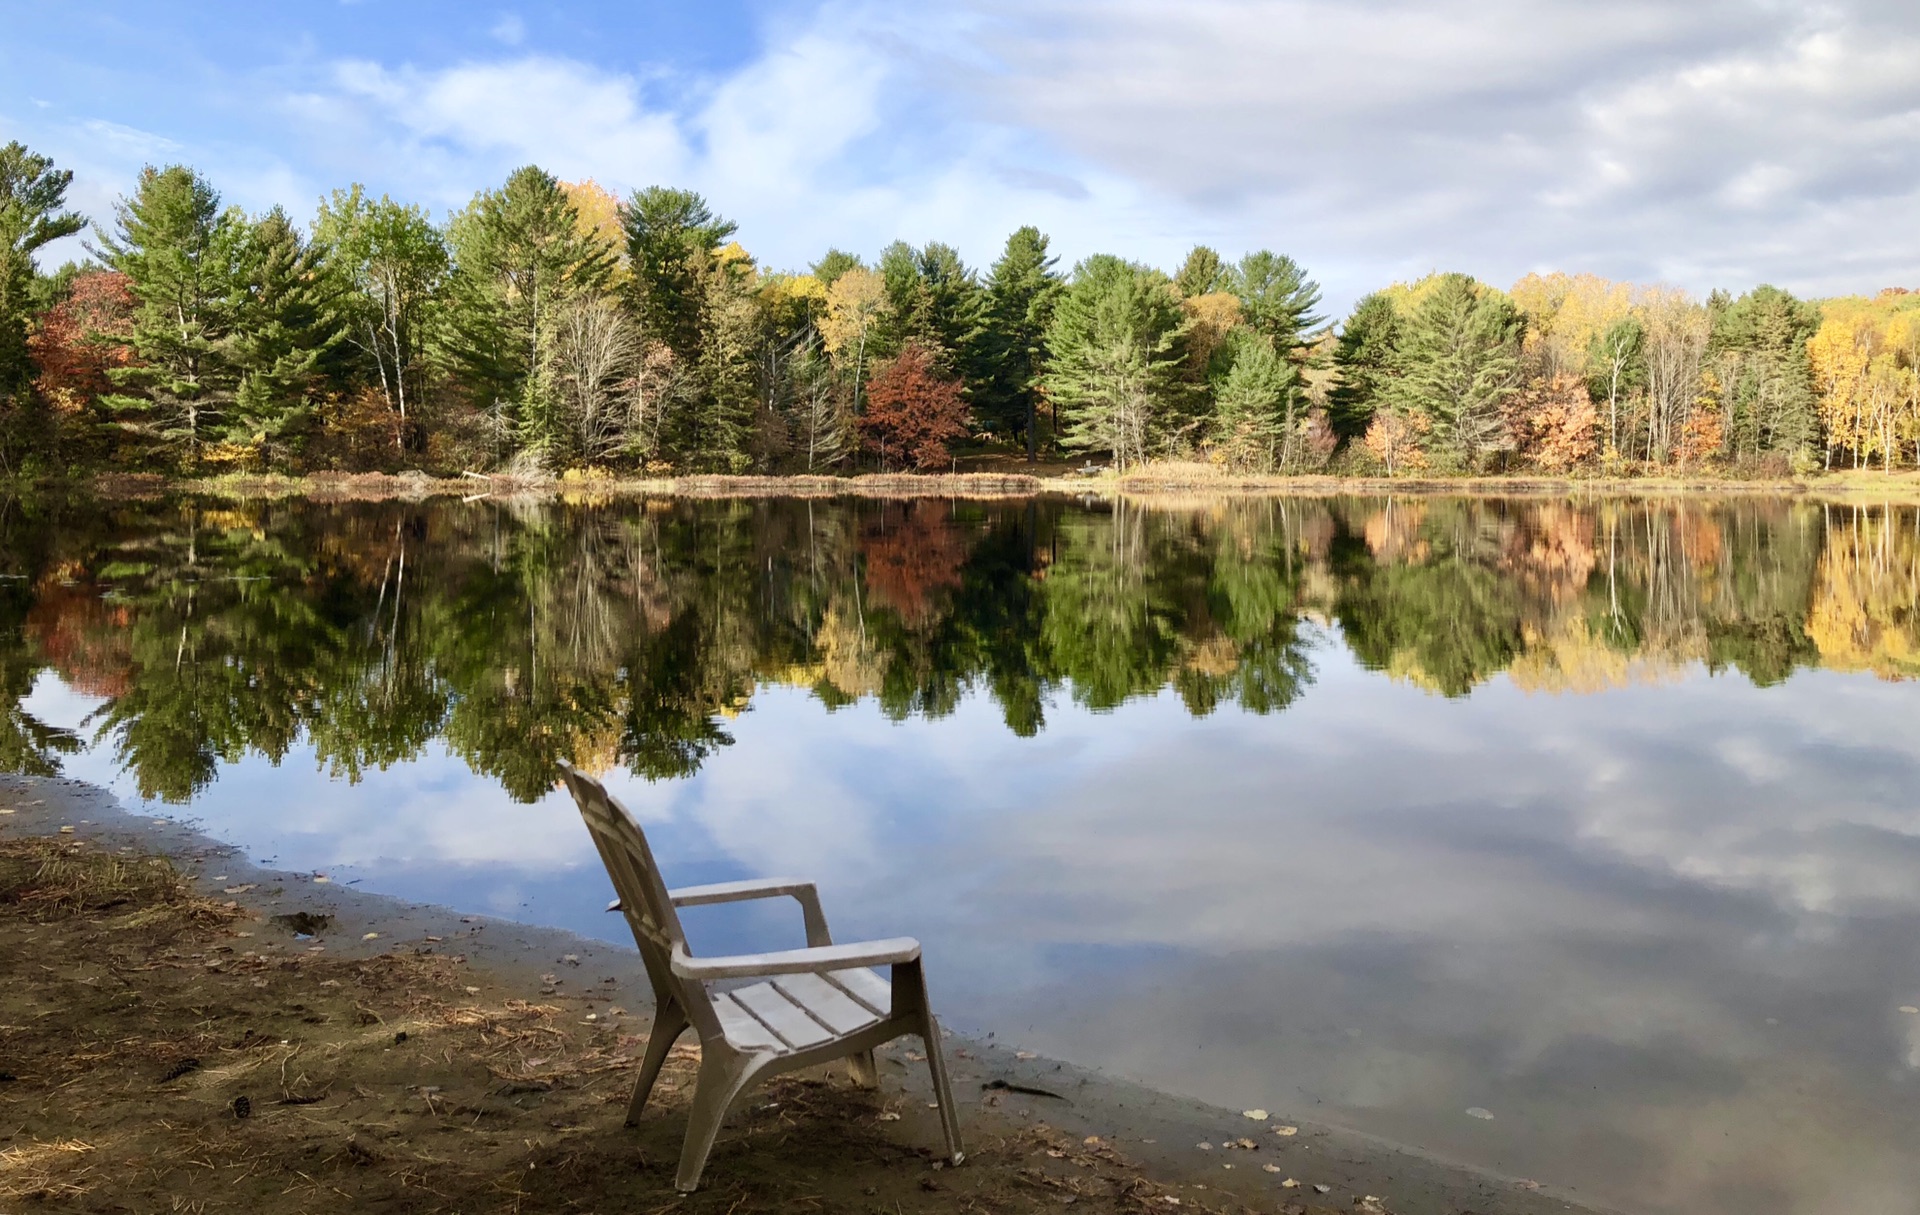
x,y
599,217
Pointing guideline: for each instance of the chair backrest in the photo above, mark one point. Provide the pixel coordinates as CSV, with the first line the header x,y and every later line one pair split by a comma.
x,y
636,879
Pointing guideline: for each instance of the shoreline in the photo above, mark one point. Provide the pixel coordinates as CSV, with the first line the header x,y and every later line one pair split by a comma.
x,y
1150,485
1120,1128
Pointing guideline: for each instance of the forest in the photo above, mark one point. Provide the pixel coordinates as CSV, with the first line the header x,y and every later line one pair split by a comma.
x,y
550,328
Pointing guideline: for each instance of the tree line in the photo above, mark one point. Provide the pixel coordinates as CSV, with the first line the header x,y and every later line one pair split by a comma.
x,y
550,326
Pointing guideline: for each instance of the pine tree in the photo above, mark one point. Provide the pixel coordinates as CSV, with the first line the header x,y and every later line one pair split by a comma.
x,y
1116,351
520,259
1021,291
32,197
286,320
1257,404
1362,358
1457,362
672,237
1203,273
177,249
1277,298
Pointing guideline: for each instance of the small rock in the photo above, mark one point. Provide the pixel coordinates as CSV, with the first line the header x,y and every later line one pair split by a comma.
x,y
242,1107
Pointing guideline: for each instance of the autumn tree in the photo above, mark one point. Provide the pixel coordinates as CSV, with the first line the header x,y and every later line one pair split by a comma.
x,y
856,306
1554,423
913,410
78,341
1117,350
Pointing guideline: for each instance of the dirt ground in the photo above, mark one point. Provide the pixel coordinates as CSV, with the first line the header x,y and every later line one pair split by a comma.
x,y
183,1031
161,1055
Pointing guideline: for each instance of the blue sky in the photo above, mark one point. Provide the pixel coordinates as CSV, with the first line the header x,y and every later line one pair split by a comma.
x,y
1700,143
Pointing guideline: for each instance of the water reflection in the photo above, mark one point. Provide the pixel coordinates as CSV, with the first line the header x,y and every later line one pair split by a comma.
x,y
1256,800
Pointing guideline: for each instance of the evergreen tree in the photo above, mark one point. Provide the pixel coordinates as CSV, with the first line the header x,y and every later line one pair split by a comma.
x,y
836,263
32,201
720,417
1020,294
1276,297
1116,354
1203,273
1760,341
1257,403
177,249
285,322
672,236
935,300
1362,359
1457,362
520,258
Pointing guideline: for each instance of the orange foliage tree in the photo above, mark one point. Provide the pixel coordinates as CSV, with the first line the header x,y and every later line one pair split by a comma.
x,y
81,337
913,411
1555,421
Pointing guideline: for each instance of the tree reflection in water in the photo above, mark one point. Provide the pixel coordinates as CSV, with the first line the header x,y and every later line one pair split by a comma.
x,y
629,633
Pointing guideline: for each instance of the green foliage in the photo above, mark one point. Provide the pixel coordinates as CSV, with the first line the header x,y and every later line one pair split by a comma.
x,y
1456,363
836,263
1021,291
1363,360
1277,298
933,300
1203,273
32,214
1759,342
286,319
179,251
520,258
390,263
1257,404
1117,355
672,236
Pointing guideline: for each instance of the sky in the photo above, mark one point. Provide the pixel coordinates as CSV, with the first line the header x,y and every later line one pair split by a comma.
x,y
1697,143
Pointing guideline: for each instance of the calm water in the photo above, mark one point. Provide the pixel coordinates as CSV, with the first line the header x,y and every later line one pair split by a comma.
x,y
1604,819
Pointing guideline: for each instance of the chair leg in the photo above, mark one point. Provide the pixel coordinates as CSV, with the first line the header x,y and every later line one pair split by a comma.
x,y
669,1022
942,1090
722,1079
866,1073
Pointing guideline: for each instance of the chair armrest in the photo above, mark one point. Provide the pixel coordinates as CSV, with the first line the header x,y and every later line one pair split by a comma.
x,y
734,892
762,888
796,961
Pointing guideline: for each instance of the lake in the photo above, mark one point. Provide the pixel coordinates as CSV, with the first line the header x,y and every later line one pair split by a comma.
x,y
1602,818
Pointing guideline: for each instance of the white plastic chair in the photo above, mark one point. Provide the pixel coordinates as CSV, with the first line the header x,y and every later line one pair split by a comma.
x,y
816,1004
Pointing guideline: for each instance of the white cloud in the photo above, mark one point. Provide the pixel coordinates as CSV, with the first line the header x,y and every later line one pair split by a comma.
x,y
510,30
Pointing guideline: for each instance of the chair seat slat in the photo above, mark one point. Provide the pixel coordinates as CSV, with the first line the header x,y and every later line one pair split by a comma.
x,y
787,1020
827,1003
866,987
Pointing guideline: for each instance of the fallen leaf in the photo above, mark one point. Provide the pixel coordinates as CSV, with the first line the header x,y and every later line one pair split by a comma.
x,y
1025,1054
1289,1184
1477,1112
1909,1009
1286,1130
1092,1141
371,936
889,1116
473,991
221,878
1321,1189
1256,1115
1205,1147
66,831
321,879
242,888
5,811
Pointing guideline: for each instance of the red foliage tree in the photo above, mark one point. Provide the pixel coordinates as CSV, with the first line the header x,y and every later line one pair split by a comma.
x,y
913,411
80,338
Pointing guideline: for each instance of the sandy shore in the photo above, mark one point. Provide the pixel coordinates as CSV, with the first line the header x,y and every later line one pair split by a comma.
x,y
179,1043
